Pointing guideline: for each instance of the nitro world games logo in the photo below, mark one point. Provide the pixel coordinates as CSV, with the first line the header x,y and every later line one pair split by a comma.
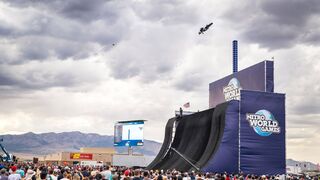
x,y
232,91
263,123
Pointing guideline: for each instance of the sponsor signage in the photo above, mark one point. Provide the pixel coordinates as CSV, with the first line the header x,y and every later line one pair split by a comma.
x,y
258,77
263,123
232,91
81,156
262,133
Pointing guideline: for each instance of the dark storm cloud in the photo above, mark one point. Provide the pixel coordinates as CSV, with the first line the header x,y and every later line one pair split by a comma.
x,y
268,35
5,29
50,30
171,12
60,29
34,51
36,80
293,12
6,80
36,48
278,24
77,29
80,10
83,10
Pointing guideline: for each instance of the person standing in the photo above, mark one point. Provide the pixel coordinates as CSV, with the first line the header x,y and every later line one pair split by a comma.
x,y
43,175
137,175
65,176
14,175
77,175
106,174
20,171
145,175
3,175
52,175
30,173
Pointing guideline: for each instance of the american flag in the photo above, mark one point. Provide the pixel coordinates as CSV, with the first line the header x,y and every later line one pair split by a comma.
x,y
186,105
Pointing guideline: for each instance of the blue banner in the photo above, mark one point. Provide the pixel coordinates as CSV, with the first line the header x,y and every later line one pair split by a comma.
x,y
225,159
262,133
258,77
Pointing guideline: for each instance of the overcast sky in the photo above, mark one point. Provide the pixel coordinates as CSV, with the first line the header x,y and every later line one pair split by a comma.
x,y
82,65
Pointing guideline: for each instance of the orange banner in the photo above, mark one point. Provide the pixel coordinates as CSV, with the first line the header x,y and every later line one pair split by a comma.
x,y
80,156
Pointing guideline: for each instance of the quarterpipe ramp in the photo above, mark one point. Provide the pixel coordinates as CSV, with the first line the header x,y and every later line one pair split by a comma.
x,y
196,138
245,136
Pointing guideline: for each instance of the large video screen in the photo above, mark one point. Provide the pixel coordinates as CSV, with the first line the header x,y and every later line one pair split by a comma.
x,y
128,133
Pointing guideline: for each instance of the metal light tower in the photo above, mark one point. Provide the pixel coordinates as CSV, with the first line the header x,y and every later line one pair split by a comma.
x,y
235,55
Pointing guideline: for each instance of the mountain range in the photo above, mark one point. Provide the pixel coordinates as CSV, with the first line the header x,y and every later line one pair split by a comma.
x,y
47,143
31,144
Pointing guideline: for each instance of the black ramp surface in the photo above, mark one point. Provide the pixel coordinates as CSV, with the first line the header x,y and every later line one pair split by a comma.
x,y
191,138
170,155
217,127
165,145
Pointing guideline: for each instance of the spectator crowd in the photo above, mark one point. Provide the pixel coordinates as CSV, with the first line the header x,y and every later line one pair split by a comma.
x,y
29,171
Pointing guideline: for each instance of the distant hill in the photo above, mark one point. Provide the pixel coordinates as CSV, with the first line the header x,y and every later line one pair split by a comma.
x,y
47,143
